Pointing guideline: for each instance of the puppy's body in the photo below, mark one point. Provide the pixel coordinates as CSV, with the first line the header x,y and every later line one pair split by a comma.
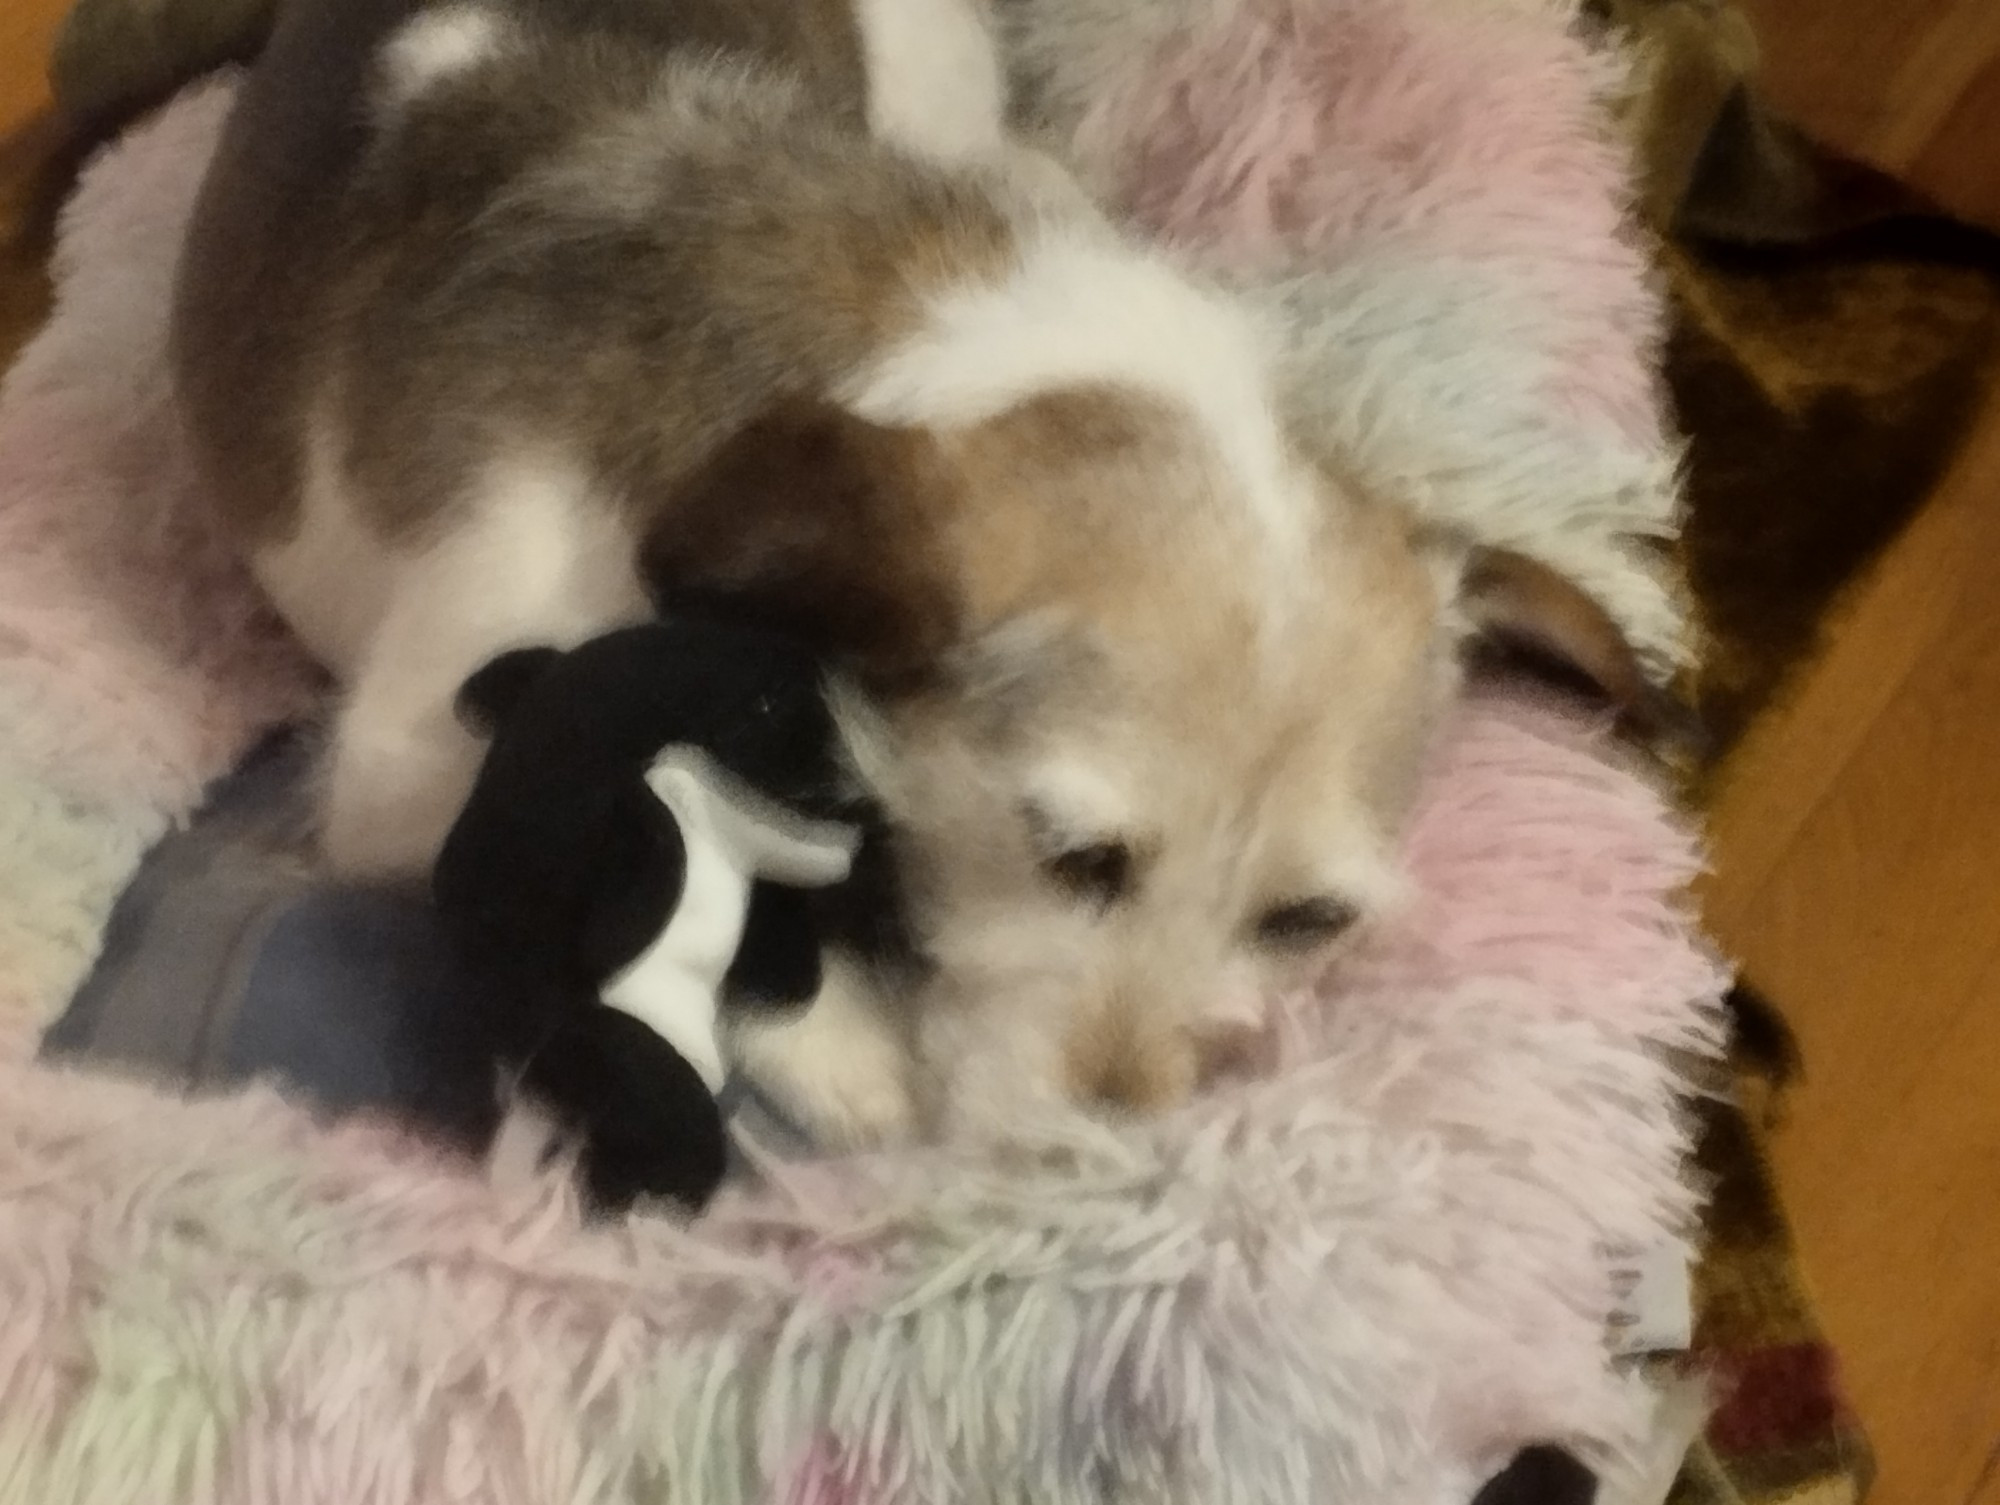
x,y
501,321
471,291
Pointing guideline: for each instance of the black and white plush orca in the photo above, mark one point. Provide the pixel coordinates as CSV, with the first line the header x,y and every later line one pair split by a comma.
x,y
638,854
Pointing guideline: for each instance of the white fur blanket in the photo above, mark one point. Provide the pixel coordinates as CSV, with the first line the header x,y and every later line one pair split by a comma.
x,y
1368,1276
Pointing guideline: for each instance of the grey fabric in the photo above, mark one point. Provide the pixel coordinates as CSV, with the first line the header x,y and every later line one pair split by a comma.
x,y
228,958
168,983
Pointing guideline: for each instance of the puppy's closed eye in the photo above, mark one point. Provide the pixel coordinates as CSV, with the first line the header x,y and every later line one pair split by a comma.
x,y
1303,924
1078,859
1101,871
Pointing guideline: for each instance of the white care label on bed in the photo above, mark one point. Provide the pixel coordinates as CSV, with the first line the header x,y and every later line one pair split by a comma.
x,y
1653,1300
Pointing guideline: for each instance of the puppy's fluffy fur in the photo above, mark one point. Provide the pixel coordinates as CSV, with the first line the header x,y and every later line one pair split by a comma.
x,y
503,321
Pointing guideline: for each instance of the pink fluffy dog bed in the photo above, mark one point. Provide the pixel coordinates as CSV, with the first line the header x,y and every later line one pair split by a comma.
x,y
1369,1275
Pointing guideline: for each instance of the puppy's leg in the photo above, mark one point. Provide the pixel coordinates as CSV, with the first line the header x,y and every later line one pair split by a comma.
x,y
533,561
401,764
841,1068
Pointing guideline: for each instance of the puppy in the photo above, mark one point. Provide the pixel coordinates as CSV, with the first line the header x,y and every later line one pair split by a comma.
x,y
508,321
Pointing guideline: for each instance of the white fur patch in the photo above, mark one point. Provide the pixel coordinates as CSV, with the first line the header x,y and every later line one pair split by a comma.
x,y
935,85
840,1069
533,558
1085,308
333,577
435,46
1363,869
1079,801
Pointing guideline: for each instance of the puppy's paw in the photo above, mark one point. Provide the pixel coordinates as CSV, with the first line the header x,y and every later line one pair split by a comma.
x,y
840,1069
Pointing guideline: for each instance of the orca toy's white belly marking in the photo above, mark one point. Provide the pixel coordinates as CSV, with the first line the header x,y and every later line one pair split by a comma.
x,y
732,837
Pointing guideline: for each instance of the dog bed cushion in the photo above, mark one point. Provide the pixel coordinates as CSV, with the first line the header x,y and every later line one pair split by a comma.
x,y
1374,1272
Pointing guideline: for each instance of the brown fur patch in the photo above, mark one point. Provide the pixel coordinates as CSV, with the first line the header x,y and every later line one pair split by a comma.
x,y
1113,1063
817,523
1059,477
1103,506
890,546
568,246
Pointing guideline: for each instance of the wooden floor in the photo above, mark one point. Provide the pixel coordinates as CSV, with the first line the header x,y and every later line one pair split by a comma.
x,y
1857,846
26,27
1858,839
1858,878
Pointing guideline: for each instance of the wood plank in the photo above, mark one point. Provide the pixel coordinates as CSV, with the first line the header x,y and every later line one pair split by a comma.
x,y
27,27
27,135
1987,1490
24,289
1946,55
1896,1224
1832,63
1905,85
1962,156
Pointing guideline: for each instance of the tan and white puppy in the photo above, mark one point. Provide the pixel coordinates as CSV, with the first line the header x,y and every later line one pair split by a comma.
x,y
502,321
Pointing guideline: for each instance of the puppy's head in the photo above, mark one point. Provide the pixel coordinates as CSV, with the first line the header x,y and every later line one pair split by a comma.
x,y
1146,747
1163,767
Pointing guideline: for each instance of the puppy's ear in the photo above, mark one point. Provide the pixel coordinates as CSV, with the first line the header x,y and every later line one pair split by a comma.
x,y
814,522
490,693
1526,614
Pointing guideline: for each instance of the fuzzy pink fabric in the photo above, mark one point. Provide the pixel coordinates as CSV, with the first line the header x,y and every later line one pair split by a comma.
x,y
1430,196
137,660
1384,1264
144,655
1311,133
1368,1274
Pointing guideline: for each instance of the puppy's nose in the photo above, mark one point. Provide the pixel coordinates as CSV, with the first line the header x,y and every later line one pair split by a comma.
x,y
1121,1084
1116,1068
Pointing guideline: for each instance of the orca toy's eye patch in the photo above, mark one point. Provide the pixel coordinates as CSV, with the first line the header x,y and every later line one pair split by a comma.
x,y
1101,872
